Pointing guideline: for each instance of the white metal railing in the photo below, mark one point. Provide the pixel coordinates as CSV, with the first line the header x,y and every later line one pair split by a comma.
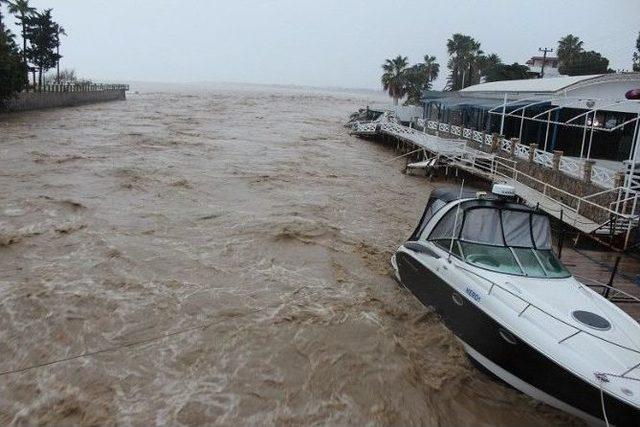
x,y
366,127
477,136
571,166
543,157
505,145
612,289
603,176
522,151
505,168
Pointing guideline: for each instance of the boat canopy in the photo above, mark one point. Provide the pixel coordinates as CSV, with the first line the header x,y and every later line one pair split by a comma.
x,y
495,235
495,223
437,199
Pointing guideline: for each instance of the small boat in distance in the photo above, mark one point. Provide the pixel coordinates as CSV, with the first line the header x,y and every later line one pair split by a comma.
x,y
486,264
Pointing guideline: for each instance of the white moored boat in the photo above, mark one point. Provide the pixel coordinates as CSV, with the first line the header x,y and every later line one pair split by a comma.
x,y
487,266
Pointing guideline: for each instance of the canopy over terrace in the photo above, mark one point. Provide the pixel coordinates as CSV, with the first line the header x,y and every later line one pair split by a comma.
x,y
584,116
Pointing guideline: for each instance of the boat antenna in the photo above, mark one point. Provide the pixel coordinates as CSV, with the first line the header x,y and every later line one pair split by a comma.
x,y
455,221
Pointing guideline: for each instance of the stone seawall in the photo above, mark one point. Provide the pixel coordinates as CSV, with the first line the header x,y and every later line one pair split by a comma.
x,y
40,100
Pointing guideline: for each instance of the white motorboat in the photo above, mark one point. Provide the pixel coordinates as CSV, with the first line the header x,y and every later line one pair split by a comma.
x,y
486,264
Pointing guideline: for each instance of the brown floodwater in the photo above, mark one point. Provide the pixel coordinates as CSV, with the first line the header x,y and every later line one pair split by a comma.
x,y
220,257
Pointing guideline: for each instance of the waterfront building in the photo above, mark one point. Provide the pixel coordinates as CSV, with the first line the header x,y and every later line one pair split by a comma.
x,y
582,116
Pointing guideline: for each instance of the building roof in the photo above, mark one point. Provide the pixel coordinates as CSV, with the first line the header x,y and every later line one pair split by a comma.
x,y
550,85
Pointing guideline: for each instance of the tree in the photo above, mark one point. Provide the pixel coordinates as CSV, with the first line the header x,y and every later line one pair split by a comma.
x,y
464,52
569,47
393,78
42,34
514,71
419,77
487,64
636,55
12,75
59,31
432,69
22,11
585,63
64,76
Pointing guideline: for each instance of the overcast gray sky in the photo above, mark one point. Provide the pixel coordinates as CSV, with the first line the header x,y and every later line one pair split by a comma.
x,y
322,42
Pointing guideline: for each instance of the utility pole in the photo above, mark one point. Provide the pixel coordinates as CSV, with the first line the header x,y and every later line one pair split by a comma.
x,y
544,59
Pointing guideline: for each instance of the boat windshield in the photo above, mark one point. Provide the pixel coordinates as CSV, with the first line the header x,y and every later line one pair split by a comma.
x,y
505,240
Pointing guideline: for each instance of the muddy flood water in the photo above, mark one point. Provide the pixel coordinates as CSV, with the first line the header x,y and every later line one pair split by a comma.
x,y
220,257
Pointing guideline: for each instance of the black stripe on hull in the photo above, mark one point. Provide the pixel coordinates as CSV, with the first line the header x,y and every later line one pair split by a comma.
x,y
482,333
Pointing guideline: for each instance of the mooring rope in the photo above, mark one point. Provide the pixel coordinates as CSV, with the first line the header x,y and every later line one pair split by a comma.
x,y
123,346
604,411
406,154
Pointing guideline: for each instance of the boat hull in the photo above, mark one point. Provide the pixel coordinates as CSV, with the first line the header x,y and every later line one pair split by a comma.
x,y
511,359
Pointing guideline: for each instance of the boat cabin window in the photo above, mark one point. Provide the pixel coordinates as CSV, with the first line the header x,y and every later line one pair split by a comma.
x,y
433,206
505,240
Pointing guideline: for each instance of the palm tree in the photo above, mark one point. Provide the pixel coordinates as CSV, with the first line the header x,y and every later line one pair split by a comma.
x,y
487,63
21,10
569,47
393,79
432,69
418,78
59,32
464,52
636,55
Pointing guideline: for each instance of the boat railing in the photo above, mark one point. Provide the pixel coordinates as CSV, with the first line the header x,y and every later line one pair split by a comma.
x,y
577,330
610,292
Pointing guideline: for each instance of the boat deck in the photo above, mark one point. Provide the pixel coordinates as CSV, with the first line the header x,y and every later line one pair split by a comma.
x,y
597,265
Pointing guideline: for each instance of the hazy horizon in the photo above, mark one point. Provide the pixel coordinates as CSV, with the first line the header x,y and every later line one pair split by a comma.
x,y
328,44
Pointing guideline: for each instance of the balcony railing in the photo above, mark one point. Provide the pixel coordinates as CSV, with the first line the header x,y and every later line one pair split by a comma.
x,y
600,176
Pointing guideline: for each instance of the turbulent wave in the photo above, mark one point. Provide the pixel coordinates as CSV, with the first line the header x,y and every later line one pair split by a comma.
x,y
223,257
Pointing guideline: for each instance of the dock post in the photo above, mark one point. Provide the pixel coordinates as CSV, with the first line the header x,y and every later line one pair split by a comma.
x,y
514,143
561,238
557,154
532,152
495,142
588,167
613,275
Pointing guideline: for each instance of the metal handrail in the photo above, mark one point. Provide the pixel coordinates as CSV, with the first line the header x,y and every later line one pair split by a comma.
x,y
546,185
604,285
498,161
